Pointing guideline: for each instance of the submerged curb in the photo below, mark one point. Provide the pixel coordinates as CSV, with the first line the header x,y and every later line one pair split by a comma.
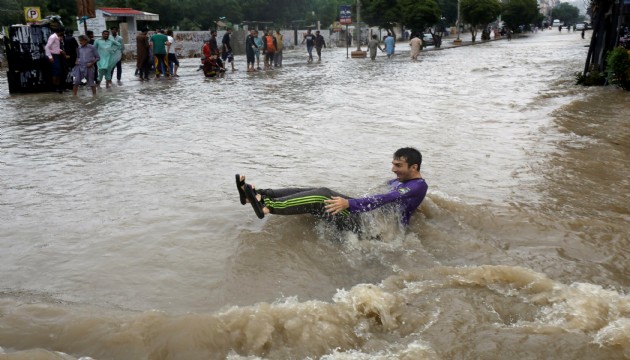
x,y
450,45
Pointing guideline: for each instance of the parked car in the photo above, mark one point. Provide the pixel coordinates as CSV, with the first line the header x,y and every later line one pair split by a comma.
x,y
580,26
427,40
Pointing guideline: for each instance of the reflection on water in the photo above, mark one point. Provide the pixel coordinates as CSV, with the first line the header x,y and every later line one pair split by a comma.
x,y
122,235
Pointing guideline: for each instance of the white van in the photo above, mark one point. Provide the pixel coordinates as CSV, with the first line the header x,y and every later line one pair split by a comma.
x,y
556,23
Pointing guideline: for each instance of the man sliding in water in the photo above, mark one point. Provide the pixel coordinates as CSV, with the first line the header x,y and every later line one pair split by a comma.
x,y
406,191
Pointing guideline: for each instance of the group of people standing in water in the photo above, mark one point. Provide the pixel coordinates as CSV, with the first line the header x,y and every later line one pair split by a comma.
x,y
415,44
156,54
271,44
88,59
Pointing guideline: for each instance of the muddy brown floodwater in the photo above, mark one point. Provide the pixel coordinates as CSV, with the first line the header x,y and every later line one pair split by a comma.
x,y
122,236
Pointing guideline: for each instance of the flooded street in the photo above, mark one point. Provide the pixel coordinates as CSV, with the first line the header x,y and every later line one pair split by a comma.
x,y
122,235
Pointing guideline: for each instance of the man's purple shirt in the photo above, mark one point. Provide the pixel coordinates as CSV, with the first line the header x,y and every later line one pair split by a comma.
x,y
407,195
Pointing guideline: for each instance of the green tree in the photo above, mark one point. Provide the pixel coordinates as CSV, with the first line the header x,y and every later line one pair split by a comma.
x,y
135,4
479,13
327,11
566,12
188,25
607,19
618,68
382,13
67,9
205,14
231,9
417,15
10,12
449,10
520,12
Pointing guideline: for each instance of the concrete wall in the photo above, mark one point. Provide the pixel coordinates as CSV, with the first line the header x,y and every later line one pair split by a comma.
x,y
189,43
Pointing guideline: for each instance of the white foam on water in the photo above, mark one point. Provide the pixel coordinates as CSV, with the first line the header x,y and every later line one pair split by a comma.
x,y
603,314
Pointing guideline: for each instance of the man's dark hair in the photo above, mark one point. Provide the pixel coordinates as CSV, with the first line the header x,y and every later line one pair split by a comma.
x,y
411,155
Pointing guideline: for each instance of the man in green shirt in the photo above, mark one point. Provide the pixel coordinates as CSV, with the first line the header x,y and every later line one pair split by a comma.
x,y
160,44
109,53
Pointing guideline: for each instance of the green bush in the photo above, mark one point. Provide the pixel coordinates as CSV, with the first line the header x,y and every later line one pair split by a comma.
x,y
592,78
618,68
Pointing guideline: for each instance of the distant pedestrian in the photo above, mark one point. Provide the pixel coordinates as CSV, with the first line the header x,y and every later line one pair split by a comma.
x,y
259,46
85,64
142,51
226,51
160,58
205,53
277,60
56,57
173,63
90,35
211,63
390,45
416,45
109,53
116,37
269,45
250,50
309,39
372,45
319,43
583,33
70,47
214,48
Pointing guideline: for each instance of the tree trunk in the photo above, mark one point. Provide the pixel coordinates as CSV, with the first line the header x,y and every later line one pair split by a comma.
x,y
473,32
437,38
391,30
605,33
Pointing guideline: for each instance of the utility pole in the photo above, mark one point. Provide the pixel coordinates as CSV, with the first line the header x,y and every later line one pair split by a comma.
x,y
358,53
458,41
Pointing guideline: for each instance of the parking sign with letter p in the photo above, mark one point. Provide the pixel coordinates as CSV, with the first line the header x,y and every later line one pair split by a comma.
x,y
32,14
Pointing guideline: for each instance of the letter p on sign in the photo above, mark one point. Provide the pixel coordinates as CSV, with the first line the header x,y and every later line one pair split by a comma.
x,y
32,14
